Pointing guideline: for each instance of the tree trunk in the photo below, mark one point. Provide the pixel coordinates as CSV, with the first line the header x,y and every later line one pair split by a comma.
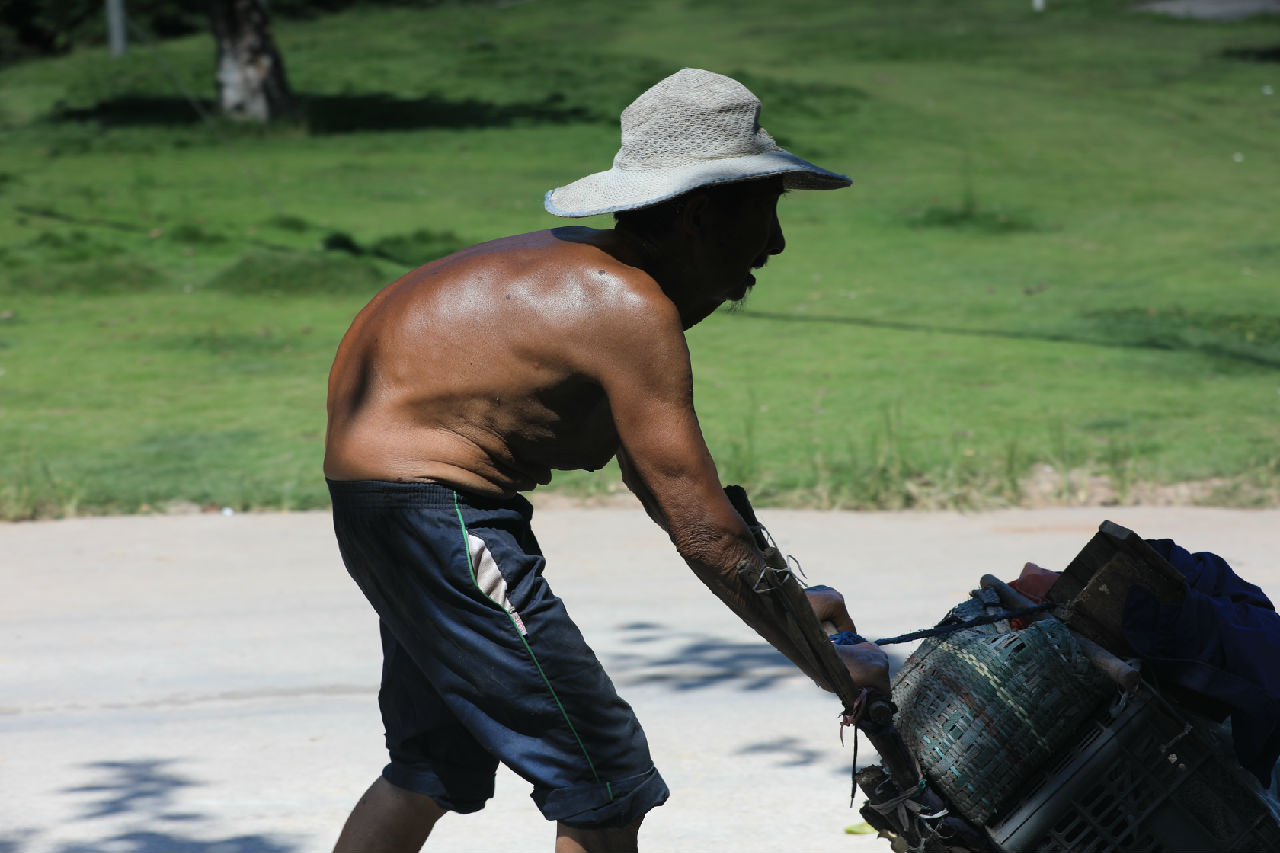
x,y
250,72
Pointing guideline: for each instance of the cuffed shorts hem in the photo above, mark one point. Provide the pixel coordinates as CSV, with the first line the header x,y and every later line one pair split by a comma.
x,y
601,805
427,783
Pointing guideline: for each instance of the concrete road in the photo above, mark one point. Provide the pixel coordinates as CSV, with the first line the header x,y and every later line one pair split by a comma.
x,y
208,683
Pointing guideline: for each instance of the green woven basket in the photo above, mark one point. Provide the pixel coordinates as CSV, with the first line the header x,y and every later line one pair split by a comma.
x,y
984,709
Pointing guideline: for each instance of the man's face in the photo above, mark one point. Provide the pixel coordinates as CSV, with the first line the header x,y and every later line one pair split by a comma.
x,y
748,233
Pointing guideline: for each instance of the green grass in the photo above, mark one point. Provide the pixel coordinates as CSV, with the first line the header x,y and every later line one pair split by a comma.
x,y
1059,249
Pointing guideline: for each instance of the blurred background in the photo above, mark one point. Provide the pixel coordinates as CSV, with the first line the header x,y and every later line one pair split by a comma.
x,y
1055,280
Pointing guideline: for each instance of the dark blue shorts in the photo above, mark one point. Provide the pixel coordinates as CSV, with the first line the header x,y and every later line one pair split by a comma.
x,y
481,662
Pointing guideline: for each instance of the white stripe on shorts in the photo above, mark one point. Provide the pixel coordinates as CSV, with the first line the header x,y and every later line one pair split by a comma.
x,y
490,580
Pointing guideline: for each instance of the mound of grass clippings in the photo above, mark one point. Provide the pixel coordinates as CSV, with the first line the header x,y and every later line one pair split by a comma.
x,y
292,273
111,274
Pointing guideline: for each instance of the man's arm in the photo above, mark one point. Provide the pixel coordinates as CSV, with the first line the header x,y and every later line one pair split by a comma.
x,y
637,487
646,374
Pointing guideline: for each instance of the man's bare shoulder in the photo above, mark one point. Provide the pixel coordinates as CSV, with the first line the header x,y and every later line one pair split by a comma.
x,y
569,272
569,250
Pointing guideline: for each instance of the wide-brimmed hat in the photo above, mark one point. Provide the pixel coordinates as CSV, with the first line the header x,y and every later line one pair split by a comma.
x,y
693,129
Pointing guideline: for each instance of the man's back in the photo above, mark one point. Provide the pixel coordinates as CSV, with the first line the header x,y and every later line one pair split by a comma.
x,y
483,369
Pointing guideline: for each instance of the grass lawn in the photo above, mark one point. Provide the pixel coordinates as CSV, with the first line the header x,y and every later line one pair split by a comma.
x,y
1060,250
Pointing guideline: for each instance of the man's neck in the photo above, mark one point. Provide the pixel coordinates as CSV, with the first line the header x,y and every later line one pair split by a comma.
x,y
664,262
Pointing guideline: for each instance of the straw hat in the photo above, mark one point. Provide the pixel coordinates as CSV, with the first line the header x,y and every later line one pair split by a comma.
x,y
693,129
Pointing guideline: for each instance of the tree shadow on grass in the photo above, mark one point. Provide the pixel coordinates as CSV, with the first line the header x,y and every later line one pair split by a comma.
x,y
1253,54
331,114
351,113
140,110
1211,336
138,799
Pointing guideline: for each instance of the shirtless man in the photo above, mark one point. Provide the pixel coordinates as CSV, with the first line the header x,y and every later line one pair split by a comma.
x,y
469,381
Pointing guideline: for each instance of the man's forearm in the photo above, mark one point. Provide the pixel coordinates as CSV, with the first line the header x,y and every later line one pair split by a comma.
x,y
714,540
734,587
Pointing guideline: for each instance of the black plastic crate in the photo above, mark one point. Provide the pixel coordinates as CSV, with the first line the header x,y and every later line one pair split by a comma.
x,y
1143,778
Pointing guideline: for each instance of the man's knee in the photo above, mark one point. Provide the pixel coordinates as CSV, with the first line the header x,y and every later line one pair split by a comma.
x,y
388,817
406,799
609,839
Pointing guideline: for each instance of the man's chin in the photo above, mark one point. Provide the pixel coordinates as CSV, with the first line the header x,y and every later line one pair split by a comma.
x,y
739,301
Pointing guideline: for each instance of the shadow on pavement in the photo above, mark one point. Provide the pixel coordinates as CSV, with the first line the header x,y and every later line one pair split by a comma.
x,y
133,786
790,752
16,840
700,661
138,801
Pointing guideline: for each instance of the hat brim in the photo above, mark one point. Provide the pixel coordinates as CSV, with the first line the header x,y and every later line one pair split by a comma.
x,y
631,189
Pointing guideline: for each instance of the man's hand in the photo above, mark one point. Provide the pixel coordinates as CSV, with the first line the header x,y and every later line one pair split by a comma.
x,y
867,663
868,666
828,606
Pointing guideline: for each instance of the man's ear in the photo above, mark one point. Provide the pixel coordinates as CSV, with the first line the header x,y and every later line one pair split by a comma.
x,y
697,216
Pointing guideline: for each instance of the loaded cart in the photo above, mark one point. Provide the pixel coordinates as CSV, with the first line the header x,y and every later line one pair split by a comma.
x,y
1134,707
1051,732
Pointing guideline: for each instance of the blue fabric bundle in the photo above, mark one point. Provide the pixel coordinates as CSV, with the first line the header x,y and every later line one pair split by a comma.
x,y
1222,641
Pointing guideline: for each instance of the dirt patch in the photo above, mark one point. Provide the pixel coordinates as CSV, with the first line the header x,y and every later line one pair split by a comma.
x,y
1047,487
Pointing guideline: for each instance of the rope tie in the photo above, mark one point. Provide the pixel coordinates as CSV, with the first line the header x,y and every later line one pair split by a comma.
x,y
849,638
904,802
851,717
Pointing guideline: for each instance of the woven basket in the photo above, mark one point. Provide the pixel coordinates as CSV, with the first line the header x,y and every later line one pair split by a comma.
x,y
982,710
